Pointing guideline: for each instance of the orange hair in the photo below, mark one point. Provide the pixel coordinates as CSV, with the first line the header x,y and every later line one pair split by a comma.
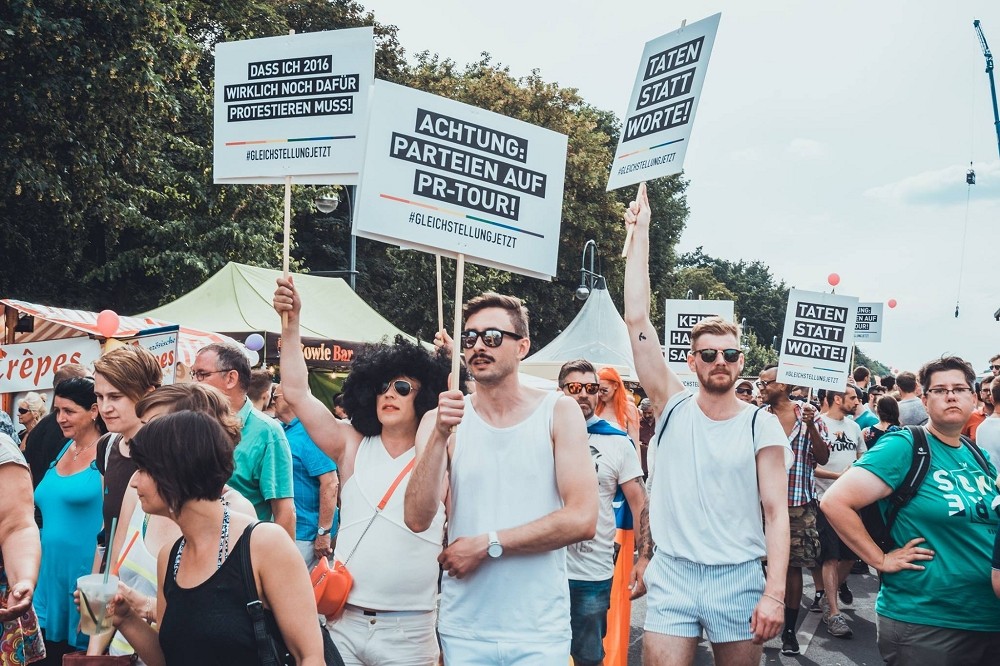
x,y
620,400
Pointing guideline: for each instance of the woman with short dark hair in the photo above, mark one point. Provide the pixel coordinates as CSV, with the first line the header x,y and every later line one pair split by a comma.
x,y
184,460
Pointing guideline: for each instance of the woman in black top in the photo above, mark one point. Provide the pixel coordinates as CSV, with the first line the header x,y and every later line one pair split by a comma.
x,y
888,414
184,459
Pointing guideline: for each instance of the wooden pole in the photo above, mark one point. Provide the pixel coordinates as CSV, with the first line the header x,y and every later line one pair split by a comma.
x,y
286,244
456,353
440,293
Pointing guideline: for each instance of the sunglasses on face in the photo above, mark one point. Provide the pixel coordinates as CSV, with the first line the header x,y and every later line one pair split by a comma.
x,y
23,410
400,386
492,337
574,388
745,391
708,355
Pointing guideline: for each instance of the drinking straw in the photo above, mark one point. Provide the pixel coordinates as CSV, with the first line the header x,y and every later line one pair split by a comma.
x,y
121,558
111,540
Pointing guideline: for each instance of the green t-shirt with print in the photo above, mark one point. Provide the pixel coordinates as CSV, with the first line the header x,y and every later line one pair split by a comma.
x,y
951,510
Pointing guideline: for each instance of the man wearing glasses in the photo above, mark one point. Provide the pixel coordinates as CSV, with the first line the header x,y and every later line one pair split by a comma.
x,y
262,461
724,459
807,435
522,487
995,365
591,564
936,603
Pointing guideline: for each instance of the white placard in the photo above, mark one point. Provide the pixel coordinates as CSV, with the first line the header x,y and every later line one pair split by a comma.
x,y
295,105
448,178
869,325
163,345
680,317
817,340
31,366
664,100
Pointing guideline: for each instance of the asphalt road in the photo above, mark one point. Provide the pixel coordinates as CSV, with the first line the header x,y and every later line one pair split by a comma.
x,y
817,646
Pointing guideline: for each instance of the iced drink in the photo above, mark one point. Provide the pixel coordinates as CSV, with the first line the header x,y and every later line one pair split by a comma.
x,y
95,595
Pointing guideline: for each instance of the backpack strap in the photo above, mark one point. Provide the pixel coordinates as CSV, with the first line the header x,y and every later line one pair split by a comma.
x,y
977,453
667,419
919,464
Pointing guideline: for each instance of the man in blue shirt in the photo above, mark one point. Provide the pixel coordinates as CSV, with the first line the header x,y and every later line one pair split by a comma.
x,y
316,483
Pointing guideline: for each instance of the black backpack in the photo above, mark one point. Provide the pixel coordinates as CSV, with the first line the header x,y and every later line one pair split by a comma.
x,y
879,527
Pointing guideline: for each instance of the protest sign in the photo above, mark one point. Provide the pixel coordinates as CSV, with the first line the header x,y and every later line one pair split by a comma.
x,y
680,316
817,341
31,366
657,127
294,105
448,178
869,325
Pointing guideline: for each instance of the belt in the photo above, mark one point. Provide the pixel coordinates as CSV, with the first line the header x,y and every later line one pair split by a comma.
x,y
368,612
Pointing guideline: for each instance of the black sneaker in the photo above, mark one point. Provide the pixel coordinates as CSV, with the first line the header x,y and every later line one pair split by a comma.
x,y
860,568
815,607
789,644
844,594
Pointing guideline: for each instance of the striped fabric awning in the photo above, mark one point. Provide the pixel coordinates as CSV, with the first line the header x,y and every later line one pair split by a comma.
x,y
58,323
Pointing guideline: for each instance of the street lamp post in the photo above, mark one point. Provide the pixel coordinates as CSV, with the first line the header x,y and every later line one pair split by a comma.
x,y
589,279
326,204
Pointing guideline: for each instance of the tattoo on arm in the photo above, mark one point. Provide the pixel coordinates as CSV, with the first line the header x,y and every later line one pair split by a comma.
x,y
645,544
642,336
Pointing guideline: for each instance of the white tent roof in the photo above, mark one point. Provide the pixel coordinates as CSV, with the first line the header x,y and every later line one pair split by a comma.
x,y
597,334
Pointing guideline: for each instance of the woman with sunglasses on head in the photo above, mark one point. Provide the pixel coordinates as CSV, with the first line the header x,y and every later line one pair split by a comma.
x,y
395,570
183,461
614,404
69,498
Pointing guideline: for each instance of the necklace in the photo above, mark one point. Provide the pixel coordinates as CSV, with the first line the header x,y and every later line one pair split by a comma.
x,y
78,450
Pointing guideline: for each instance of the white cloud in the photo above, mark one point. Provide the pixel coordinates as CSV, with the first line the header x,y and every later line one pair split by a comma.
x,y
806,149
943,187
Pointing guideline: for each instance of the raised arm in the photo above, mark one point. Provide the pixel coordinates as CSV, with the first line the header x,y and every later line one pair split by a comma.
x,y
656,377
331,435
423,492
575,521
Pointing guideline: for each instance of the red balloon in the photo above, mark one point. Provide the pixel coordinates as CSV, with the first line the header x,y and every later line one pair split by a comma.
x,y
833,279
107,323
892,303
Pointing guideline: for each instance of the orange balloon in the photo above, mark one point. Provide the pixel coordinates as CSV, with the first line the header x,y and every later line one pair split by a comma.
x,y
833,279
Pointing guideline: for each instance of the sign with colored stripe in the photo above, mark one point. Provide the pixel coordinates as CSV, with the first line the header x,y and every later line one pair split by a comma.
x,y
680,316
293,106
868,328
657,126
449,178
816,345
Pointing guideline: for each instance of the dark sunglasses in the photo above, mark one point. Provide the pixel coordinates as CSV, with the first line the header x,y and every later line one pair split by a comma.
x,y
744,391
574,388
23,410
492,337
401,386
708,355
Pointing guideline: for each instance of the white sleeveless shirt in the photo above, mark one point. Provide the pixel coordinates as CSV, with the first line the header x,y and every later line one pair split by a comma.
x,y
394,569
501,478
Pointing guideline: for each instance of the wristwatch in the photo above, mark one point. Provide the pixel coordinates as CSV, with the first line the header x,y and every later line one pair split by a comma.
x,y
494,550
324,532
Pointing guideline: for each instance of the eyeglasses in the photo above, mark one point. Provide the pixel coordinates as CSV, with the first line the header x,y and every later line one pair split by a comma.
x,y
958,391
744,391
492,337
400,386
995,367
23,410
202,375
764,383
708,355
574,388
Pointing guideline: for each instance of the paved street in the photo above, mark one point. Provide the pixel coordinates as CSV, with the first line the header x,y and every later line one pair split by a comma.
x,y
818,647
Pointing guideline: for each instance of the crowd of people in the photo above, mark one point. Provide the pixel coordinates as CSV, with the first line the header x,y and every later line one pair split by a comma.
x,y
476,514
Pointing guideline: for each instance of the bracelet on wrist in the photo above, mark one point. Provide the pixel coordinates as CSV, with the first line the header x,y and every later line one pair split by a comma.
x,y
774,598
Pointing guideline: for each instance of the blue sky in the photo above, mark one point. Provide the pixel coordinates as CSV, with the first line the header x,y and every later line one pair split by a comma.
x,y
830,137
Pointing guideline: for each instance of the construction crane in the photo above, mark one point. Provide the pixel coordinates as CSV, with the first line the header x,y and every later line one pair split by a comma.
x,y
989,71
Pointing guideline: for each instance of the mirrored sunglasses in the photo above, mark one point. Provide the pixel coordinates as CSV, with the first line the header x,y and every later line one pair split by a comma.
x,y
574,388
492,337
400,386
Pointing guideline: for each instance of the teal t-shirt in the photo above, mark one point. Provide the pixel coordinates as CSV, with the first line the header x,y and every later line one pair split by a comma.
x,y
951,510
262,461
866,419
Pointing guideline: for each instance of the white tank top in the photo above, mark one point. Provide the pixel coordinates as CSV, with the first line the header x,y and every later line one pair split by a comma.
x,y
394,569
501,478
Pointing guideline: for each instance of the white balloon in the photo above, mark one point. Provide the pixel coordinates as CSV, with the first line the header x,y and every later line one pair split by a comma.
x,y
253,357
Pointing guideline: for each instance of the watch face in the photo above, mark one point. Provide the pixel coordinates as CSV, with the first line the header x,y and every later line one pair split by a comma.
x,y
495,550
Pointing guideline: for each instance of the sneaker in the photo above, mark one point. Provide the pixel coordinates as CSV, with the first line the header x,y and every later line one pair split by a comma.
x,y
789,644
844,594
838,626
859,567
815,607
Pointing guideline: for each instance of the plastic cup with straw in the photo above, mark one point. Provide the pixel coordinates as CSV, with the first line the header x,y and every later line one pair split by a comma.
x,y
96,592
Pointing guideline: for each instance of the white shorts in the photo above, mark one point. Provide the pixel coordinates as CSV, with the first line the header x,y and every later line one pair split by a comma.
x,y
469,652
683,597
402,638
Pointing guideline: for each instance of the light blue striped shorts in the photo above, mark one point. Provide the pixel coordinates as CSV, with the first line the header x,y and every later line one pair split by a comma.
x,y
684,596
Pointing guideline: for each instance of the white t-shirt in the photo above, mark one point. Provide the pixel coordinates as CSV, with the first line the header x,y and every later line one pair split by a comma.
x,y
704,505
845,444
988,438
616,462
